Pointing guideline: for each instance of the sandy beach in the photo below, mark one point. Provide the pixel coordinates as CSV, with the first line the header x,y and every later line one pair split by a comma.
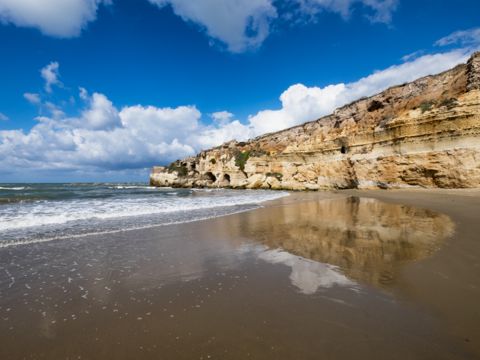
x,y
319,275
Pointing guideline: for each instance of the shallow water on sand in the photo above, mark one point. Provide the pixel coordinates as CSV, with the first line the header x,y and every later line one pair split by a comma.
x,y
306,280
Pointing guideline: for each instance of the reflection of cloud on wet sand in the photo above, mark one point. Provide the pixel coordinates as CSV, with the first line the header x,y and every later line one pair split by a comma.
x,y
307,275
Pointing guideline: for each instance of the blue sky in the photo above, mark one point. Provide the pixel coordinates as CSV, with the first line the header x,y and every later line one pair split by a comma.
x,y
104,89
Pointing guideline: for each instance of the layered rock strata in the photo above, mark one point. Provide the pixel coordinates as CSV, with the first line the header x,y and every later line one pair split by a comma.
x,y
425,133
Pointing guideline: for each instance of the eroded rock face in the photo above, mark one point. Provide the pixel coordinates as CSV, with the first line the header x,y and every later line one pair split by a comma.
x,y
425,133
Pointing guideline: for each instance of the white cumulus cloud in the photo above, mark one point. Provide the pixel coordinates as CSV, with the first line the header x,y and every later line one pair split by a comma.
x,y
100,115
51,74
240,24
65,144
104,138
221,117
210,136
60,18
245,24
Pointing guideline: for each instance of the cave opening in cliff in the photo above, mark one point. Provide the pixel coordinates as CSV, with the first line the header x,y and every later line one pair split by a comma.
x,y
375,105
209,176
343,149
226,178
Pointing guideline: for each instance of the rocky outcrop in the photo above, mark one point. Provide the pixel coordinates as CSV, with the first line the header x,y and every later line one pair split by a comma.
x,y
473,73
425,133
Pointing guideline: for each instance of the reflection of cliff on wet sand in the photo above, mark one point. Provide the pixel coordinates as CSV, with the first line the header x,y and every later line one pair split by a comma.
x,y
366,238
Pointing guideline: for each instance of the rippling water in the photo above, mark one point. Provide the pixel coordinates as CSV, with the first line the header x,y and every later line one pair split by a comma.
x,y
41,212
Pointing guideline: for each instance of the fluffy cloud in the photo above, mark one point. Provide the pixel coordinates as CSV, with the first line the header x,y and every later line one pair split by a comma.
x,y
104,138
215,135
245,24
100,115
91,142
60,18
240,24
222,117
301,103
50,74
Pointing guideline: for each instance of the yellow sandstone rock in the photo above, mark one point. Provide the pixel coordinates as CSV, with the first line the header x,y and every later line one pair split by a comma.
x,y
425,133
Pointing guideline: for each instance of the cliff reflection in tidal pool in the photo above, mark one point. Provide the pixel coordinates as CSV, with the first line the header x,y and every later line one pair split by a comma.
x,y
366,238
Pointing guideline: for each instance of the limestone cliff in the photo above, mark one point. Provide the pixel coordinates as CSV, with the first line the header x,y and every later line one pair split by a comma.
x,y
425,133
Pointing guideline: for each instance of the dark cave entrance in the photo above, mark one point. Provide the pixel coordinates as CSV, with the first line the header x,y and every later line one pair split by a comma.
x,y
209,176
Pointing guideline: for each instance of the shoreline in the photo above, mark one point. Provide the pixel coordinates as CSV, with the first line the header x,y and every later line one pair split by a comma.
x,y
258,284
46,220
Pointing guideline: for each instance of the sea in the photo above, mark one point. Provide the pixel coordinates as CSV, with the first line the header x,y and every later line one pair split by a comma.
x,y
32,213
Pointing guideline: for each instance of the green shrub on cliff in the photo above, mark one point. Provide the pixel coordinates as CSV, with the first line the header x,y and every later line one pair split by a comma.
x,y
426,106
449,103
241,158
181,170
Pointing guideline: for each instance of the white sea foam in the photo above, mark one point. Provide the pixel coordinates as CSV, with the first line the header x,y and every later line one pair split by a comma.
x,y
128,187
17,188
116,231
39,214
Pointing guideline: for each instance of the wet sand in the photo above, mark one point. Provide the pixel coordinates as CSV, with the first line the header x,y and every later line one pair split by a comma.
x,y
364,275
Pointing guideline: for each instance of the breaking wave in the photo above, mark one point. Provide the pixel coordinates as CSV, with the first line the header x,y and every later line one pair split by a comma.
x,y
62,212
